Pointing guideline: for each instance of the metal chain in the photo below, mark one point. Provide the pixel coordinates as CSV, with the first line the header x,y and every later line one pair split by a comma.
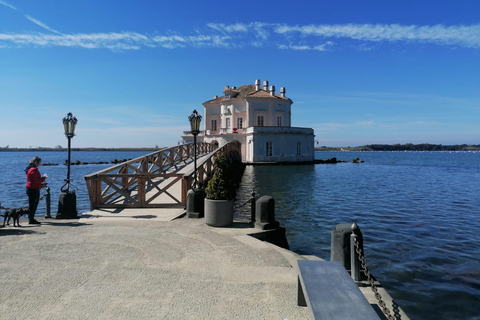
x,y
396,310
243,204
374,288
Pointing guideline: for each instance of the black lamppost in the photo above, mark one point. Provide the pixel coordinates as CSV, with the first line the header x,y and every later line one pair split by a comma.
x,y
67,204
195,120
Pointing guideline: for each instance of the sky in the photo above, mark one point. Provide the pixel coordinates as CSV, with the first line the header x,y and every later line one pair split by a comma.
x,y
131,72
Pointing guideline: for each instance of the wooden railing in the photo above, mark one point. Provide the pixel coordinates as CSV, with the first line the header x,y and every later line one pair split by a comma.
x,y
205,165
154,180
139,183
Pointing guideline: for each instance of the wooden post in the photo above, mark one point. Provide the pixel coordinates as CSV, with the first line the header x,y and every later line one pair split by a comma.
x,y
97,193
185,188
141,187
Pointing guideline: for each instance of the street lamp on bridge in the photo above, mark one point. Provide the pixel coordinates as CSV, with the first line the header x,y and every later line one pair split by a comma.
x,y
67,204
195,120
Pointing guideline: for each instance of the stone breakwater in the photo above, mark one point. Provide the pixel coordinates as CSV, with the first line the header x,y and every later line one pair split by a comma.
x,y
78,162
335,160
316,161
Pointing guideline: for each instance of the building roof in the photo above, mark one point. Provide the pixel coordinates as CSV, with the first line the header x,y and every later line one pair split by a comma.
x,y
244,92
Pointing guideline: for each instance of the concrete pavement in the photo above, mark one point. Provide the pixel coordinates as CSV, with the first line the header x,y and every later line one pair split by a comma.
x,y
143,265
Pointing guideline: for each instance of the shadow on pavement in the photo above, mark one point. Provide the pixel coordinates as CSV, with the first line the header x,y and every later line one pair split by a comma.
x,y
17,231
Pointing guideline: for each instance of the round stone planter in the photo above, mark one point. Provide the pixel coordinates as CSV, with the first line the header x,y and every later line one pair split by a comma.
x,y
218,213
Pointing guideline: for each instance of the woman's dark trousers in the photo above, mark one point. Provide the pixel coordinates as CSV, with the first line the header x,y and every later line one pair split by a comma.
x,y
33,199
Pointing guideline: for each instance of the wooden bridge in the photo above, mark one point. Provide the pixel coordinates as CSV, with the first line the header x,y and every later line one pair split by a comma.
x,y
157,180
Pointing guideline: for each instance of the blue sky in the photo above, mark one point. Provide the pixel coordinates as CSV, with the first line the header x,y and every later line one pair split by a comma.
x,y
358,72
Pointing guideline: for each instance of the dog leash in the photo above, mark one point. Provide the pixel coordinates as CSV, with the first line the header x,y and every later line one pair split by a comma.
x,y
24,205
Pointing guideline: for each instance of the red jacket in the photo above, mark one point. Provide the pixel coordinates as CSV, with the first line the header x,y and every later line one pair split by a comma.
x,y
34,180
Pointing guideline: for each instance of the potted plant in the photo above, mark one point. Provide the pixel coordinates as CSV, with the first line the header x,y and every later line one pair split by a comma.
x,y
219,195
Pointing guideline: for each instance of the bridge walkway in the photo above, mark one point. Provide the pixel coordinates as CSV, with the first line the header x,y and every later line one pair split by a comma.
x,y
157,180
161,214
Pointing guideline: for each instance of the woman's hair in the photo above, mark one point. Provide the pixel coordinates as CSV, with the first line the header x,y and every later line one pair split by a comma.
x,y
35,161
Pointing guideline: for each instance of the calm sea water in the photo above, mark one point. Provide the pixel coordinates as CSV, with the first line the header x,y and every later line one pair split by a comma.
x,y
419,214
13,179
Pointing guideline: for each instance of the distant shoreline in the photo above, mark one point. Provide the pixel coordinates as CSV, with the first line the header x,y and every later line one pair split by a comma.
x,y
369,147
404,147
76,149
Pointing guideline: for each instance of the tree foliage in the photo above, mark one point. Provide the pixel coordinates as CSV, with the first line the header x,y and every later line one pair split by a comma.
x,y
222,185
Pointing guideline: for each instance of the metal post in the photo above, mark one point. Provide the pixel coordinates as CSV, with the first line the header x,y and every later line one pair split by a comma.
x,y
195,120
67,202
354,261
47,203
68,164
195,161
252,209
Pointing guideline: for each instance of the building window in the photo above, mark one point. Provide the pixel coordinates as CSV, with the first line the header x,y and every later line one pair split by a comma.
x,y
269,148
279,121
260,121
214,125
227,96
239,123
299,149
227,123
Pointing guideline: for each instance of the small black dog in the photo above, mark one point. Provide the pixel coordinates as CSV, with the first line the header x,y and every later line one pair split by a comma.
x,y
15,214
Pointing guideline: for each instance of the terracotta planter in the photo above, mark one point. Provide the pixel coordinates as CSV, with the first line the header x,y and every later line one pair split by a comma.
x,y
218,213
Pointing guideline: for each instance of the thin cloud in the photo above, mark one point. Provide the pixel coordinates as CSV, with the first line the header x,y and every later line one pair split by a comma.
x,y
8,5
322,47
257,34
175,41
30,18
113,41
41,24
238,27
466,36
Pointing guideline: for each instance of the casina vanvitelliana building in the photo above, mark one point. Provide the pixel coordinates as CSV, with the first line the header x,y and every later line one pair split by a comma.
x,y
259,120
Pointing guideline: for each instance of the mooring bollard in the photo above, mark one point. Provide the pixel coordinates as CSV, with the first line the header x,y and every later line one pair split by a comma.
x,y
265,219
265,213
341,246
195,207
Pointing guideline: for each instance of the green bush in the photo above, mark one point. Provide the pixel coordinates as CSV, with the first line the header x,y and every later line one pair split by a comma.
x,y
221,186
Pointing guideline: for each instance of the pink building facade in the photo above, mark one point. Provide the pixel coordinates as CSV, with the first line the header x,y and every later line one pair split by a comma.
x,y
259,120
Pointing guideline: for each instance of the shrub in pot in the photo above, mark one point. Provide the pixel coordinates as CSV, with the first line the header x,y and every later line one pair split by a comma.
x,y
219,195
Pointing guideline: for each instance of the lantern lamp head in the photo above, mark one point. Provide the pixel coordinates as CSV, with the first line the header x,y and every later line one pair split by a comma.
x,y
69,123
195,120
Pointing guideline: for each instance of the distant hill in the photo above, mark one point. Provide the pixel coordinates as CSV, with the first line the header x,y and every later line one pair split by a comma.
x,y
78,149
405,147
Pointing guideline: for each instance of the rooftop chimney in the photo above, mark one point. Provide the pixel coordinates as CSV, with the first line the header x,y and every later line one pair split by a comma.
x,y
265,85
215,97
272,90
226,88
283,91
257,84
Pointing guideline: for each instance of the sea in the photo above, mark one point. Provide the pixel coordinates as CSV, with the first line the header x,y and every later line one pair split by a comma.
x,y
419,213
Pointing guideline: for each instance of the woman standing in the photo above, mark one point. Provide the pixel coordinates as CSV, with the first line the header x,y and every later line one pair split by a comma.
x,y
34,184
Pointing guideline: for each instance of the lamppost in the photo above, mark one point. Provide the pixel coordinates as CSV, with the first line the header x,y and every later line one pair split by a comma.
x,y
67,204
195,195
195,120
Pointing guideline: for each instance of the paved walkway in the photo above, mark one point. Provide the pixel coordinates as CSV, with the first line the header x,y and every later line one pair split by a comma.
x,y
143,266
